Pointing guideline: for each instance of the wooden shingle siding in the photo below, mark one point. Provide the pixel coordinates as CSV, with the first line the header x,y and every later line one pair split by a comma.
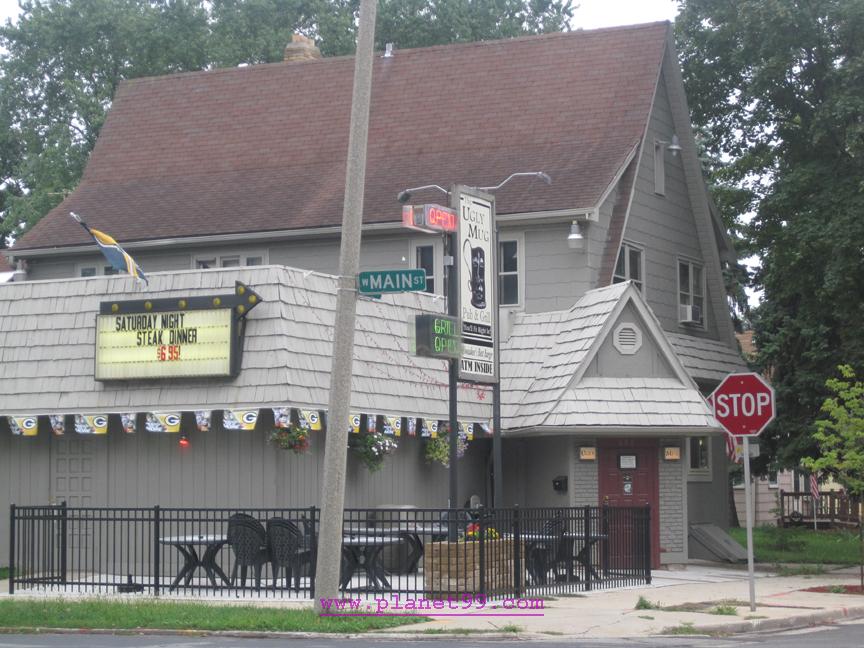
x,y
665,225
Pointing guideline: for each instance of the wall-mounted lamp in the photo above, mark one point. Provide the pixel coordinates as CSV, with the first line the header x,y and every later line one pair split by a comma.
x,y
576,238
673,146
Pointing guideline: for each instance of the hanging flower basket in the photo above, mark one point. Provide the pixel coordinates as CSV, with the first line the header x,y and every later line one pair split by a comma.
x,y
372,448
292,438
438,449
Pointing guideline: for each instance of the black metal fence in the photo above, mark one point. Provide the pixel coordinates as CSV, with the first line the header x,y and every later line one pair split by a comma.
x,y
428,553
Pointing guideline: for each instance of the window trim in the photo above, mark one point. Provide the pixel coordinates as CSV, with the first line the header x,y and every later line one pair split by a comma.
x,y
690,261
700,474
519,239
659,168
636,246
218,257
437,244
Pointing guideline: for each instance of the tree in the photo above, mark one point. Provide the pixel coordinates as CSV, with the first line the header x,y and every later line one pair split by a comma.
x,y
840,437
775,89
64,59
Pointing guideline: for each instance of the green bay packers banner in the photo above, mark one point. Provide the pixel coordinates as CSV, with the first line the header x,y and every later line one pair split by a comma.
x,y
163,422
58,424
24,425
354,425
411,425
129,422
282,417
239,419
91,423
202,420
310,420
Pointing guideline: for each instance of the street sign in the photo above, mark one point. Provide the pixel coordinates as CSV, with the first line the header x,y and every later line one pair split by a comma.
x,y
437,336
743,404
377,282
431,219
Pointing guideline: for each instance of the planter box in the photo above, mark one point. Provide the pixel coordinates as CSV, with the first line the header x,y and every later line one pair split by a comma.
x,y
454,567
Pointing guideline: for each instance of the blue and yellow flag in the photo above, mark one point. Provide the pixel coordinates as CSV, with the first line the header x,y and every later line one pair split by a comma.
x,y
111,250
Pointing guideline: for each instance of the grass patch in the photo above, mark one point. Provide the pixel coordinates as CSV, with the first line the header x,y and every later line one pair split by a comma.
x,y
799,570
448,631
117,615
801,545
4,573
510,628
645,604
724,610
685,628
645,616
753,617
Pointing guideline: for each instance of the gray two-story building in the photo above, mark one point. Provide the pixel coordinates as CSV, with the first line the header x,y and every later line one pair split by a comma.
x,y
613,315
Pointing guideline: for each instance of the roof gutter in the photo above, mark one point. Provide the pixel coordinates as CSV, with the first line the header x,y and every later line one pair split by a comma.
x,y
607,431
559,215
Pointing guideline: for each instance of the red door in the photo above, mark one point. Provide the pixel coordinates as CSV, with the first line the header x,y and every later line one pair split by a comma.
x,y
628,477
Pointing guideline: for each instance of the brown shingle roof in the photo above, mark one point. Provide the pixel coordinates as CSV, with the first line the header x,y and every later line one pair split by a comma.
x,y
263,147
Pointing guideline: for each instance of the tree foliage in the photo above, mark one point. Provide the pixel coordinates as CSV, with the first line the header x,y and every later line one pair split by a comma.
x,y
775,87
840,432
61,63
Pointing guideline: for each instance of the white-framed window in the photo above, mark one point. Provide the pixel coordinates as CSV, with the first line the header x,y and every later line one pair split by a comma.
x,y
428,254
659,168
511,270
95,270
630,265
691,292
699,458
237,260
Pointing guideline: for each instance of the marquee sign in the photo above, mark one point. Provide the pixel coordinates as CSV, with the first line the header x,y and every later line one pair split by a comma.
x,y
172,338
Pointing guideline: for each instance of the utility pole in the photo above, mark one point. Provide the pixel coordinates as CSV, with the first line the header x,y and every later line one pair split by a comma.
x,y
335,454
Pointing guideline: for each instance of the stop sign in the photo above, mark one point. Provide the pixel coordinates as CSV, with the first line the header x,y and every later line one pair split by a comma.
x,y
743,404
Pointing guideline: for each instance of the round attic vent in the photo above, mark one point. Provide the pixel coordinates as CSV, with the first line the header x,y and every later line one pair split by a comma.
x,y
627,338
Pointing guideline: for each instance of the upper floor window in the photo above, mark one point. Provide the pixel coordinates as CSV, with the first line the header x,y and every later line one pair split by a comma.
x,y
510,263
95,271
428,256
203,262
629,265
691,293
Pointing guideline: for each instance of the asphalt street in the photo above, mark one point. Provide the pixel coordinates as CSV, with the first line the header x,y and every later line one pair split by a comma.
x,y
844,635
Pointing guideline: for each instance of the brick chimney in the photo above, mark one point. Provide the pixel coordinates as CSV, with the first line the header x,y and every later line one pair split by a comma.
x,y
301,48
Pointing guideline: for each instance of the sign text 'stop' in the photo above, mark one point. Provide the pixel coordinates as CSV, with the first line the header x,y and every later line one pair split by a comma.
x,y
743,404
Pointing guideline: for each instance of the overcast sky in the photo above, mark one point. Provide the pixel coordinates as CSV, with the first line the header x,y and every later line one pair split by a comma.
x,y
590,14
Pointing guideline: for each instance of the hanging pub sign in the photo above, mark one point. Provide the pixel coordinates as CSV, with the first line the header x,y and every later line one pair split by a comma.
x,y
437,336
173,338
477,291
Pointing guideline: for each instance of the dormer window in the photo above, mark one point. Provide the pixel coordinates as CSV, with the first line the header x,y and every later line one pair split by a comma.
x,y
691,293
629,265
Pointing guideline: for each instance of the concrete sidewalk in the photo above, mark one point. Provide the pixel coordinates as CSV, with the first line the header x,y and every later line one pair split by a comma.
x,y
780,601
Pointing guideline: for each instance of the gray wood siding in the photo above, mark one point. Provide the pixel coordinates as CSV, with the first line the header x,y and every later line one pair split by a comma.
x,y
665,225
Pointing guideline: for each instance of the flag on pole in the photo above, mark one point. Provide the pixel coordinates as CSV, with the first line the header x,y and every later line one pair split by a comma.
x,y
814,486
111,250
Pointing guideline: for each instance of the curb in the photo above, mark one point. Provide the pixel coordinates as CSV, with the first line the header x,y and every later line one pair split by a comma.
x,y
786,623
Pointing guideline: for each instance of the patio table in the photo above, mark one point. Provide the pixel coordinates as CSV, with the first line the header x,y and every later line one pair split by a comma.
x,y
364,551
191,560
411,533
570,538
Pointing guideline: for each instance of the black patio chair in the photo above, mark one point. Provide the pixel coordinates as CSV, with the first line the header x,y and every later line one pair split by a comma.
x,y
285,546
544,555
248,541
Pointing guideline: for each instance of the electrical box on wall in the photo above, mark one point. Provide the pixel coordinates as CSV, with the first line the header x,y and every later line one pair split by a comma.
x,y
559,484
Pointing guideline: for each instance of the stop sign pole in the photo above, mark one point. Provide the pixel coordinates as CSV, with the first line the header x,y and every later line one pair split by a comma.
x,y
744,405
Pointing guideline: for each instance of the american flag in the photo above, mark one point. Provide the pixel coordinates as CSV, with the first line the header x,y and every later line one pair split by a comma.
x,y
732,444
814,486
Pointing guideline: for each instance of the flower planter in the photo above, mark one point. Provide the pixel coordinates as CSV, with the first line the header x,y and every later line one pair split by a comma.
x,y
453,568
